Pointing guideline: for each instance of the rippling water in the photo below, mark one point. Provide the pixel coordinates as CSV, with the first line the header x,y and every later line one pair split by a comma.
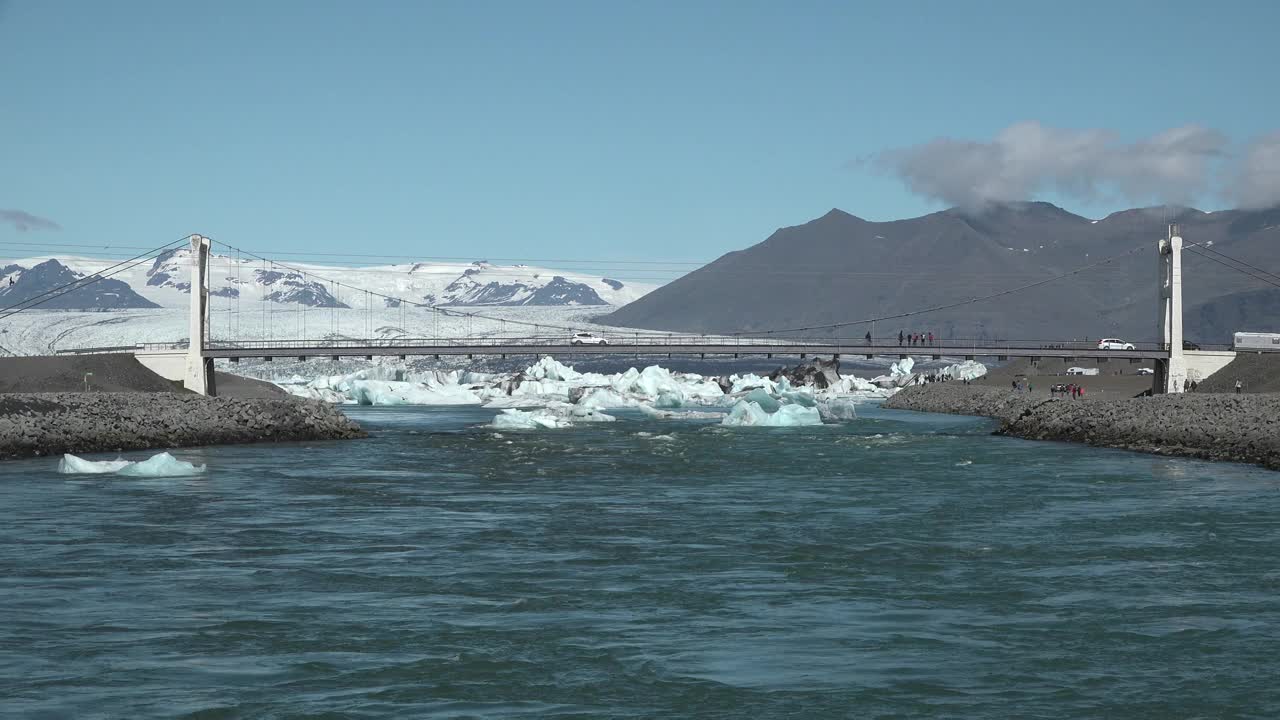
x,y
901,565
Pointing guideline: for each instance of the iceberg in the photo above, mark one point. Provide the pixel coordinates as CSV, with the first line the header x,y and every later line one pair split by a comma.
x,y
389,392
680,415
72,465
902,368
513,419
159,465
837,411
764,400
749,414
967,370
559,415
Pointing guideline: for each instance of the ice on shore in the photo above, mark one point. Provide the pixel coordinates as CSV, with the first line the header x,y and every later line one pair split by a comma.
x,y
159,465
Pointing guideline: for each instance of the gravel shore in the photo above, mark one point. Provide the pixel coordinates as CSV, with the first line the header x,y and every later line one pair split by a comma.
x,y
36,424
1236,428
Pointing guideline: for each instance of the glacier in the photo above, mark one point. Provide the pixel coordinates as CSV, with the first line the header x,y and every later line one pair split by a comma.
x,y
159,465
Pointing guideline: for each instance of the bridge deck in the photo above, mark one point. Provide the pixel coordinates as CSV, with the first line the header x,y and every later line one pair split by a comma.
x,y
352,349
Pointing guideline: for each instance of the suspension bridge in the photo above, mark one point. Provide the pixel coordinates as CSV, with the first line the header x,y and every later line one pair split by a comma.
x,y
191,361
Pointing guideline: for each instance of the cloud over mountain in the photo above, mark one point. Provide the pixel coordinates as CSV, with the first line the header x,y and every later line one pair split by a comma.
x,y
1029,158
1255,180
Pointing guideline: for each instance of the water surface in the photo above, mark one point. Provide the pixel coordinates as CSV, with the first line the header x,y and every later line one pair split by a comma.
x,y
902,565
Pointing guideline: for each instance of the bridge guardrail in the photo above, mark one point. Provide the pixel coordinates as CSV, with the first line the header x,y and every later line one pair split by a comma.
x,y
888,345
621,340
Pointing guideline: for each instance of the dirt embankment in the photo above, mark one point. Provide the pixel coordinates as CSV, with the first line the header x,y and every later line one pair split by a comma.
x,y
1257,373
36,424
1237,428
109,373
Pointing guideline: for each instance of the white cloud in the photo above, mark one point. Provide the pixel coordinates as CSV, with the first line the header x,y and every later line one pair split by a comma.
x,y
1029,158
1254,181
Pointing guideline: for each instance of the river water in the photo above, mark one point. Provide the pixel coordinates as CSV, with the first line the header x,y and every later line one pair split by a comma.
x,y
901,565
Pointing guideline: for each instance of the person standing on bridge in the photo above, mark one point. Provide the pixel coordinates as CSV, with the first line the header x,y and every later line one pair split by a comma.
x,y
930,337
900,338
868,337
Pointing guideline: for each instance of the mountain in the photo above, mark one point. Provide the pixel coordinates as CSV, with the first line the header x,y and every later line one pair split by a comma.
x,y
840,267
37,281
166,282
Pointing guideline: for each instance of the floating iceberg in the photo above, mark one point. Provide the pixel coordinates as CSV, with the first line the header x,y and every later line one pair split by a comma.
x,y
385,392
837,411
749,414
160,465
513,419
560,415
72,465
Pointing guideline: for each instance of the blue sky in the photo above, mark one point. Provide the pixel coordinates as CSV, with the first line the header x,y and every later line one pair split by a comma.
x,y
593,130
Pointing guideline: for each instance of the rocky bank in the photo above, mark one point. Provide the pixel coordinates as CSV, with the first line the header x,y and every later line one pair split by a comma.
x,y
1236,428
36,424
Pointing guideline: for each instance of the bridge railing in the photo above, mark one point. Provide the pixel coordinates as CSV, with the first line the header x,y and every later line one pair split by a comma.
x,y
674,340
853,345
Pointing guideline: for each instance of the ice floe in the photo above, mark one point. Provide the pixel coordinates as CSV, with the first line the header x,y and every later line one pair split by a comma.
x,y
159,465
549,394
746,413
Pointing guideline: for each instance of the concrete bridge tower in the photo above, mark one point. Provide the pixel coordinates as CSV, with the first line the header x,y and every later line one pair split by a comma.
x,y
1171,373
199,372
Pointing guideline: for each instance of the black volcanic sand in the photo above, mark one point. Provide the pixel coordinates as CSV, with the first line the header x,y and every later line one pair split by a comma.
x,y
1237,428
1260,373
37,424
1115,378
111,373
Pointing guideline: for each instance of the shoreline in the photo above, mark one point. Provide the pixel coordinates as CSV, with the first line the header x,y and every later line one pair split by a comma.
x,y
1231,428
50,424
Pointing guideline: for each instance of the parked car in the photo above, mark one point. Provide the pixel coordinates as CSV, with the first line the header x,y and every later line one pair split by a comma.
x,y
1144,371
586,338
1188,345
1114,344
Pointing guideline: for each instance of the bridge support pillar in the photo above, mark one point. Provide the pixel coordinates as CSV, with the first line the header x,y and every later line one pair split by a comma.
x,y
198,377
1172,373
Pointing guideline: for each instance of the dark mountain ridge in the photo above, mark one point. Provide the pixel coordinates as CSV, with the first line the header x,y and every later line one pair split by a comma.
x,y
840,267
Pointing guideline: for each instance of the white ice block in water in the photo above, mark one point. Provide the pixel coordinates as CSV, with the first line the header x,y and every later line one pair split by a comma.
x,y
551,418
837,410
748,414
160,465
72,465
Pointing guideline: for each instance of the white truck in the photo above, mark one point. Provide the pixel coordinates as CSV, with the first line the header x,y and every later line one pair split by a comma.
x,y
1257,342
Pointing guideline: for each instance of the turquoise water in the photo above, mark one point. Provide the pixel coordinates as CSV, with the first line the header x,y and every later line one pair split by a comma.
x,y
898,566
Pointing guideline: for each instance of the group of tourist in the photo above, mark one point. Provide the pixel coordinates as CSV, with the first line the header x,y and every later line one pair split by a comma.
x,y
914,339
1070,390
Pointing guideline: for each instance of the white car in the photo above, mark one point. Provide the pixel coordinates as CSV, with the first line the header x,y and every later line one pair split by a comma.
x,y
584,338
1114,344
1144,371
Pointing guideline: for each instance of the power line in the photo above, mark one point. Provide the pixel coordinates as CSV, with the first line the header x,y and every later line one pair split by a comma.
x,y
1251,274
1232,259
